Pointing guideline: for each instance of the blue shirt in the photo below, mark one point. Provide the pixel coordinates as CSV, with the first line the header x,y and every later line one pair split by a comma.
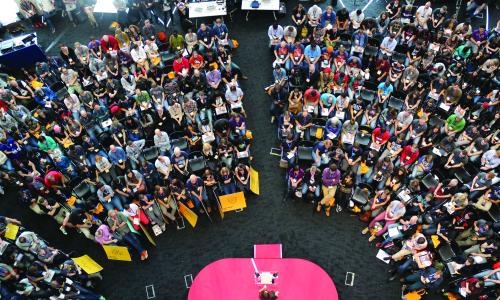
x,y
193,187
312,54
386,89
206,35
119,154
220,31
325,18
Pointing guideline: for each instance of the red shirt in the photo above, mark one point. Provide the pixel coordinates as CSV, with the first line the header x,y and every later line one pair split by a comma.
x,y
178,66
381,137
112,43
309,98
52,178
407,156
196,62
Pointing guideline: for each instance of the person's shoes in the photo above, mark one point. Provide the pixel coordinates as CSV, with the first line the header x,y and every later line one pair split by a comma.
x,y
338,208
392,277
318,208
378,245
272,119
209,209
244,77
365,231
388,258
327,211
53,30
63,230
144,255
371,238
163,227
201,211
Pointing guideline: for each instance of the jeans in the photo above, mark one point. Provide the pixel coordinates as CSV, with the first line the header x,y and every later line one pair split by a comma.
x,y
47,17
116,202
414,282
133,241
305,190
7,166
197,200
228,188
373,123
323,159
363,177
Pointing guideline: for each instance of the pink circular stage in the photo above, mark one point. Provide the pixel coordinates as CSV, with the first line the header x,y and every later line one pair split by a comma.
x,y
234,278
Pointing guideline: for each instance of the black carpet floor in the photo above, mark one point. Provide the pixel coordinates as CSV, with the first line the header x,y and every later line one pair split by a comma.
x,y
334,243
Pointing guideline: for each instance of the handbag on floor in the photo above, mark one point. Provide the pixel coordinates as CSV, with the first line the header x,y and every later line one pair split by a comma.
x,y
414,295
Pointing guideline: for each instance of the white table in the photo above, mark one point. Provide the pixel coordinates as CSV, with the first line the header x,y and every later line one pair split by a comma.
x,y
207,9
105,6
273,5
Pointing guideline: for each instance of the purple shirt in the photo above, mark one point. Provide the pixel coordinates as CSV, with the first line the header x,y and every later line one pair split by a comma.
x,y
478,37
214,77
296,176
330,178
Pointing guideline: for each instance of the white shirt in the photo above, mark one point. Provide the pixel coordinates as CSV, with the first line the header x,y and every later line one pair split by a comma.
x,y
388,44
138,54
423,12
275,33
162,141
163,167
356,20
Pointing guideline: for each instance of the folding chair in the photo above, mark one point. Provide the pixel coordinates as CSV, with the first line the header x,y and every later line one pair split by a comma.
x,y
81,190
395,103
363,136
305,153
462,175
197,164
446,252
181,142
368,95
494,213
150,153
399,57
361,194
430,181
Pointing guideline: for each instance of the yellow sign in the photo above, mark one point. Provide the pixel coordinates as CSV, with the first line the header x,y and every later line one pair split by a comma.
x,y
87,264
190,215
12,230
254,181
220,210
233,201
117,253
435,240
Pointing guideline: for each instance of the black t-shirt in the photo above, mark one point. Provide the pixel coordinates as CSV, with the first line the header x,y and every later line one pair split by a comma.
x,y
342,15
77,217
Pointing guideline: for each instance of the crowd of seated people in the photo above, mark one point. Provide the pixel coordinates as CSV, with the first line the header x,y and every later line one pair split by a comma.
x,y
118,130
31,269
395,117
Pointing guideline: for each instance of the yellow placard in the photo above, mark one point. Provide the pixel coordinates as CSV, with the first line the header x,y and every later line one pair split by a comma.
x,y
117,253
233,201
12,230
254,181
435,240
190,215
220,210
87,264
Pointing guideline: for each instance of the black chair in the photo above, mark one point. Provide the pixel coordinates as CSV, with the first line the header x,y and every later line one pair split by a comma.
x,y
197,164
150,153
368,95
435,121
446,252
374,41
61,94
181,142
370,51
346,40
363,136
494,213
314,131
361,194
399,57
81,190
462,175
430,181
396,103
305,153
